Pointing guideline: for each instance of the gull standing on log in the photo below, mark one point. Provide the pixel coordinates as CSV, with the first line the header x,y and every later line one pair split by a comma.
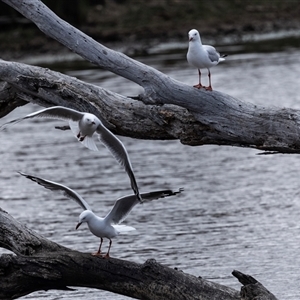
x,y
202,56
107,227
83,126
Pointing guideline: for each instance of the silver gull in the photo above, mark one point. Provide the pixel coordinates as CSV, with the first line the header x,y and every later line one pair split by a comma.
x,y
83,126
202,56
109,226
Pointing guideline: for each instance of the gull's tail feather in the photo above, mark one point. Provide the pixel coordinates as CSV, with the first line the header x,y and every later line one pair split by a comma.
x,y
123,228
89,143
222,57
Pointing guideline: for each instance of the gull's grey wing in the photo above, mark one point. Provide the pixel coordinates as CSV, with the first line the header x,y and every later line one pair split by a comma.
x,y
55,112
124,205
118,150
213,54
53,186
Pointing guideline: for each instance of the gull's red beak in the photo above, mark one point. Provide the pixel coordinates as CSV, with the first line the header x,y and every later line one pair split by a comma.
x,y
190,39
77,226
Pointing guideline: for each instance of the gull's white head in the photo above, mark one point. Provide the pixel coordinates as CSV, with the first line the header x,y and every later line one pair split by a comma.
x,y
194,35
90,120
85,216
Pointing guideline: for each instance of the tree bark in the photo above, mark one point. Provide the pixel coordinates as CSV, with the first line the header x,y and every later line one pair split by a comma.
x,y
9,99
40,264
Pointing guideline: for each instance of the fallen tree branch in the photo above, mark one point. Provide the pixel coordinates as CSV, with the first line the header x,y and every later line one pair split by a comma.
x,y
40,264
125,116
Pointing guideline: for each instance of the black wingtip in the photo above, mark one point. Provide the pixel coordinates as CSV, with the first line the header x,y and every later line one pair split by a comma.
x,y
139,197
29,177
25,175
180,190
21,173
172,193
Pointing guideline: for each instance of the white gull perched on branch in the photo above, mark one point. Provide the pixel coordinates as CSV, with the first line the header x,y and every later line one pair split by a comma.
x,y
107,227
83,126
202,56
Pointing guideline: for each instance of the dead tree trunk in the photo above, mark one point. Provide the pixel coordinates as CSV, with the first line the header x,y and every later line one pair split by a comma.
x,y
40,264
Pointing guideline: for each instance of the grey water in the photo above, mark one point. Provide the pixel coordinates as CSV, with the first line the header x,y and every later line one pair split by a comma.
x,y
239,210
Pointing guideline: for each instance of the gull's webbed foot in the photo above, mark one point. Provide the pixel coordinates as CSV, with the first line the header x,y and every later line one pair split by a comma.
x,y
198,86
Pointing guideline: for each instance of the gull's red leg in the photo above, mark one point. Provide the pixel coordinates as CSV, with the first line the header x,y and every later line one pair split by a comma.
x,y
80,138
107,254
199,85
209,88
98,253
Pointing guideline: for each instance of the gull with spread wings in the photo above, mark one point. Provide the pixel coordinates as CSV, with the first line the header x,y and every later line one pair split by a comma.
x,y
83,126
109,226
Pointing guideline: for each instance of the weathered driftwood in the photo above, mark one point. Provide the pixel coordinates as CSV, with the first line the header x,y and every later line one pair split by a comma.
x,y
40,264
216,118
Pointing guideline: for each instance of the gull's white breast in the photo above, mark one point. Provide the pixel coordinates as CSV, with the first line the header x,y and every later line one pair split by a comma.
x,y
198,57
100,228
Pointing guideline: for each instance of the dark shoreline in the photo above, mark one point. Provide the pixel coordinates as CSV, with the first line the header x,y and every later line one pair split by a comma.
x,y
137,30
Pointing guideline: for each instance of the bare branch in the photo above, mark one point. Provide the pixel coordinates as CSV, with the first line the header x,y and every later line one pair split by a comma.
x,y
222,120
42,265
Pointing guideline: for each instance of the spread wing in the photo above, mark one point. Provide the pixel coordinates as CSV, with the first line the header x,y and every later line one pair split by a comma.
x,y
53,186
124,205
116,147
213,54
55,112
